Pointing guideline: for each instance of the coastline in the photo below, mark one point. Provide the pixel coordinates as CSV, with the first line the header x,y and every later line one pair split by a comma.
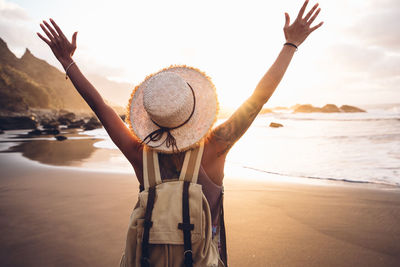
x,y
70,216
87,151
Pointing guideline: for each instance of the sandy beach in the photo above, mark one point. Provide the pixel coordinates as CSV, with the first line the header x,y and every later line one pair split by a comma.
x,y
62,216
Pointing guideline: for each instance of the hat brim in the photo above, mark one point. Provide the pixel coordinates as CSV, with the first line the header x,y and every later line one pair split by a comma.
x,y
191,133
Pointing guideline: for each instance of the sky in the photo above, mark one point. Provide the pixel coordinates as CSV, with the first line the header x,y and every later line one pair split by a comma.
x,y
354,58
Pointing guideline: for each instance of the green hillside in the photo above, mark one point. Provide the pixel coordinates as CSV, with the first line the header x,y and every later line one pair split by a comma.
x,y
30,82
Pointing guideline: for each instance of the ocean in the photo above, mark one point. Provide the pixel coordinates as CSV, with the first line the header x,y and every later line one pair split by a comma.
x,y
347,147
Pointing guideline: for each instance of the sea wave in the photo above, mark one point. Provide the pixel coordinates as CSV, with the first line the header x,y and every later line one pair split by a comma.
x,y
337,119
387,137
344,147
334,179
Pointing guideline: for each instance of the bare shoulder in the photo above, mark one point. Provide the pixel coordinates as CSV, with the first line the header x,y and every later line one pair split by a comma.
x,y
225,135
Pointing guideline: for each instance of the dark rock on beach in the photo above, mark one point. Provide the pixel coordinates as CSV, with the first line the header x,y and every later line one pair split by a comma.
x,y
92,124
1,131
61,137
347,108
19,122
47,124
45,131
35,132
51,131
66,118
275,125
77,124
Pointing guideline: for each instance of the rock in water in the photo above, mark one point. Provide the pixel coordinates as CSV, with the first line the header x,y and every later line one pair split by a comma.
x,y
16,123
265,111
275,125
347,108
330,108
306,109
60,137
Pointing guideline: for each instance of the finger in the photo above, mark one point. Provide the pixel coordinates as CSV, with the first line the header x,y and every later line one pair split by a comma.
x,y
303,8
74,39
316,27
311,12
53,32
47,33
313,17
287,20
44,39
74,43
59,31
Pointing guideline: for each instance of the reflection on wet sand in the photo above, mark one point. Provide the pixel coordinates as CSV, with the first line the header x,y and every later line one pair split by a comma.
x,y
73,152
68,152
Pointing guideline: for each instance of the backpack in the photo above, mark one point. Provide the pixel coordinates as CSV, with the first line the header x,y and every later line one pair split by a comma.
x,y
171,223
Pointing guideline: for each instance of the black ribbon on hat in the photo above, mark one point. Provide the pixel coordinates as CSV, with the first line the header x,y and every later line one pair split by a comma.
x,y
170,140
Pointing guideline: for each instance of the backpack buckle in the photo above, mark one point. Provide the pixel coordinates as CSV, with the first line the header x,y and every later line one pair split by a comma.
x,y
188,251
188,258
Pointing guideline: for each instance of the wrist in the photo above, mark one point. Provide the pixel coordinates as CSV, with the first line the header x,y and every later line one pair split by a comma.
x,y
65,62
294,41
291,45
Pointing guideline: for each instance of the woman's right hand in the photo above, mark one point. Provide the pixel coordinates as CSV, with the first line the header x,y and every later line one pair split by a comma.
x,y
59,44
300,28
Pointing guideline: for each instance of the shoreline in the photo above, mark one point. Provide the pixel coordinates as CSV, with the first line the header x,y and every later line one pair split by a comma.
x,y
231,173
93,158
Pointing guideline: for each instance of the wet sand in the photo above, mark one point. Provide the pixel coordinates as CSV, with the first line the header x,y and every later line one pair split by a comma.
x,y
59,216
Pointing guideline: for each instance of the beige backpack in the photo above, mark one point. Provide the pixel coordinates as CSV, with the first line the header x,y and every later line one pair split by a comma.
x,y
171,223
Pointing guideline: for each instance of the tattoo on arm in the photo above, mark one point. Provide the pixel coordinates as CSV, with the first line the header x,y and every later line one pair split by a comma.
x,y
231,130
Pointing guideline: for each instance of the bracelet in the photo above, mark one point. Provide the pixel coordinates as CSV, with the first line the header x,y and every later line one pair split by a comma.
x,y
66,69
291,44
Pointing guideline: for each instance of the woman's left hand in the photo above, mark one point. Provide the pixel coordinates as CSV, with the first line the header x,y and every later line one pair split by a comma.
x,y
59,44
300,28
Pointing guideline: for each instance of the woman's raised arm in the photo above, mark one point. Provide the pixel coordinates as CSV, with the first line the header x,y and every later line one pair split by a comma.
x,y
63,50
225,135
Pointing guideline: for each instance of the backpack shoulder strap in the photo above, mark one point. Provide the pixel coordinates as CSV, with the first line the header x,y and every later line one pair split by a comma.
x,y
191,164
189,171
151,168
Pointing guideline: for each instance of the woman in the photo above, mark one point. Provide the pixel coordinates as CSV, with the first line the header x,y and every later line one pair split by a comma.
x,y
217,142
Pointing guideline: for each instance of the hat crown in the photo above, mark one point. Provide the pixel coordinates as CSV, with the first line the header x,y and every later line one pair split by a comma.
x,y
168,99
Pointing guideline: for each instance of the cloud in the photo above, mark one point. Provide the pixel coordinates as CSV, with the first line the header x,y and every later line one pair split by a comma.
x,y
12,12
379,25
14,27
374,62
358,73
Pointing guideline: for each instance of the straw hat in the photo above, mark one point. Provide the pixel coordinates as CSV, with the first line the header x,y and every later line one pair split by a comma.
x,y
173,109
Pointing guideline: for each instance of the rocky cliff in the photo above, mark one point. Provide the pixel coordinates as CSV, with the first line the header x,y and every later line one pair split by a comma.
x,y
29,82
